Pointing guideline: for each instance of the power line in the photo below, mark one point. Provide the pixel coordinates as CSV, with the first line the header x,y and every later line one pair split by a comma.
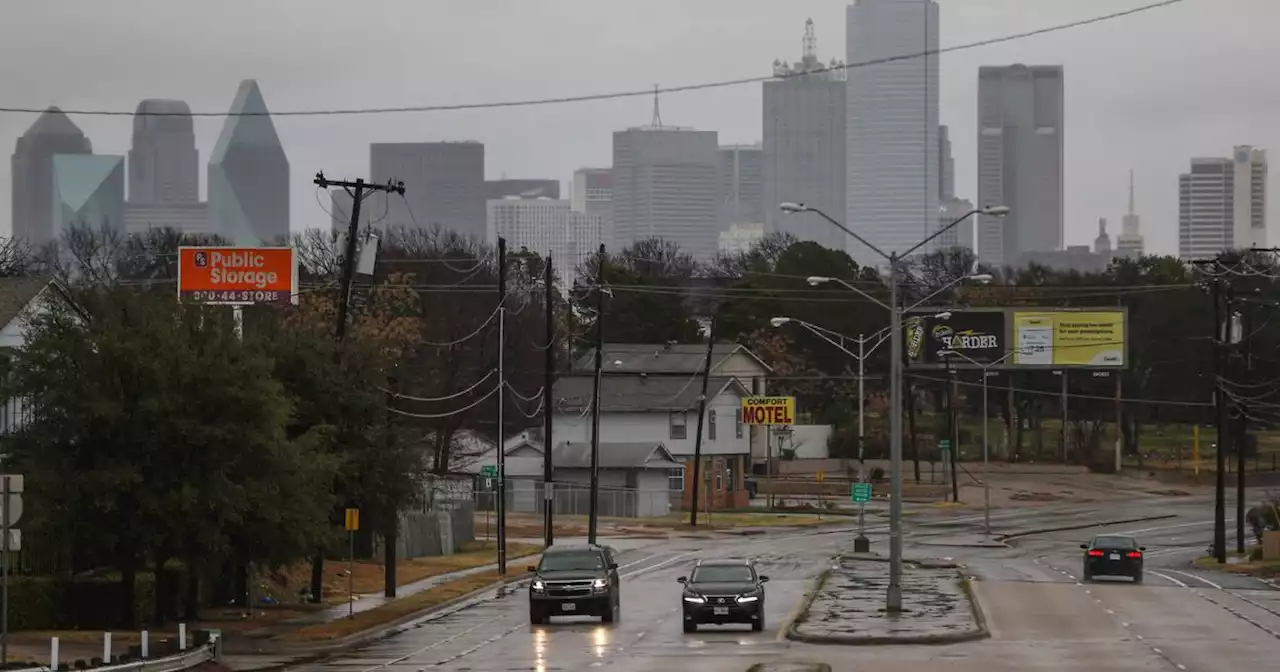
x,y
435,416
649,91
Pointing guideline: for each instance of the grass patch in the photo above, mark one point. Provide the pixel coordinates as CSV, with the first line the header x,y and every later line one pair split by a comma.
x,y
1262,568
399,609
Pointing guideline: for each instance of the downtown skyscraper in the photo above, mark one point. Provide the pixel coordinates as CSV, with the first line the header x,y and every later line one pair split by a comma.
x,y
164,171
891,196
32,172
444,186
1222,204
249,174
1020,160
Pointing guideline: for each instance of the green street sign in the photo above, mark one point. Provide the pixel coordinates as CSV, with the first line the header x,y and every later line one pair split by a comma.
x,y
861,493
489,471
944,444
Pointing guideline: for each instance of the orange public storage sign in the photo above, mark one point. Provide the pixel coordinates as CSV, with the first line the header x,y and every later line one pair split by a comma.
x,y
237,275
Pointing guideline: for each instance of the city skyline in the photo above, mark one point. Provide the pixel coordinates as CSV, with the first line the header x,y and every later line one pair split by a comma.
x,y
1156,143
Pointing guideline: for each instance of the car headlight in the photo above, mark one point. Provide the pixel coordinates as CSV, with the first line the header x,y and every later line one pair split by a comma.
x,y
539,586
695,599
743,599
600,584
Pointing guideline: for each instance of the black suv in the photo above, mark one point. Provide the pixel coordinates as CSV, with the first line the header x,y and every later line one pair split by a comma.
x,y
578,580
723,591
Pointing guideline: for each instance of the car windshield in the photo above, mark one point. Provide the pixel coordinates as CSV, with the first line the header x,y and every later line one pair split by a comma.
x,y
1114,542
571,560
722,574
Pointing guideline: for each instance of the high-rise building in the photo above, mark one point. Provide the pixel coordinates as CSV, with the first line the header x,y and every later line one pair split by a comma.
x,y
444,185
741,237
592,194
88,191
31,171
741,187
1222,204
891,198
1102,244
249,174
664,186
804,144
1129,243
1020,160
374,208
524,188
545,226
960,235
946,166
164,165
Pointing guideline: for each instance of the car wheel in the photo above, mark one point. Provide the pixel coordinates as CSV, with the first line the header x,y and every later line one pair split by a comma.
x,y
1087,576
536,616
606,615
758,624
1137,578
690,626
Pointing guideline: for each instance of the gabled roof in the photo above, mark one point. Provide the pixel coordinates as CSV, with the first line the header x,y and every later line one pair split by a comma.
x,y
644,455
17,294
640,393
666,358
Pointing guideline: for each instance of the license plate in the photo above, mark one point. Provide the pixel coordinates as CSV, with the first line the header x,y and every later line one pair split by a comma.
x,y
1115,556
720,611
568,606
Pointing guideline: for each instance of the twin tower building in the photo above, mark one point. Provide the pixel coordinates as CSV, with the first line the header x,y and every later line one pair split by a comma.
x,y
59,183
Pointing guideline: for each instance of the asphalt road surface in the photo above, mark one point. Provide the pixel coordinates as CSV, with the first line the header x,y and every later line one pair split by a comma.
x,y
1041,616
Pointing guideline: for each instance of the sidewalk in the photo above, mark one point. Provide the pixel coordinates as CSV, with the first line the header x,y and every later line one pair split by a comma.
x,y
847,606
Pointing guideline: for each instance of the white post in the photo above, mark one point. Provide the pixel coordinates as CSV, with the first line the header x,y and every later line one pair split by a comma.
x,y
893,596
53,653
986,456
237,316
862,458
146,645
106,648
182,636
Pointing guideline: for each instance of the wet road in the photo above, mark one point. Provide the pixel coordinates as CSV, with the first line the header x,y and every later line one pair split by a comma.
x,y
1041,616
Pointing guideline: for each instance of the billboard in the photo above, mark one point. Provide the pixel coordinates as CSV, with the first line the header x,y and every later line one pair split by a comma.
x,y
1017,338
979,335
769,410
237,275
1066,339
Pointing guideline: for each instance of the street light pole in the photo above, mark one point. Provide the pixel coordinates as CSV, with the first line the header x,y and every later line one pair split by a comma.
x,y
986,462
862,456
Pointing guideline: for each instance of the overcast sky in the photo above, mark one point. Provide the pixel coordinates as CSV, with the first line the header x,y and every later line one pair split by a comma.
x,y
1145,92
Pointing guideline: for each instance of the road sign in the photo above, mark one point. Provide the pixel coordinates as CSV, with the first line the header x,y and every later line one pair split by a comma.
x,y
14,505
488,484
821,476
861,493
353,520
489,471
769,410
15,540
944,444
237,275
15,482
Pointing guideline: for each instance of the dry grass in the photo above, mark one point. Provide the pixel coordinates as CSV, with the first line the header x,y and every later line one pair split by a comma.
x,y
401,608
1264,568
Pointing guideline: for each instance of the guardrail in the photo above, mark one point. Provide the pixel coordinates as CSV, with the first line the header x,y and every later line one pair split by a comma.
x,y
183,660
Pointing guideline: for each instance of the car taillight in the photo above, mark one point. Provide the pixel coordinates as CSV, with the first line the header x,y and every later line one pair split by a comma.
x,y
1095,553
1135,554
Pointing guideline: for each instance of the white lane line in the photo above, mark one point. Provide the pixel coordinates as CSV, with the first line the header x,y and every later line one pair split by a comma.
x,y
1170,527
1201,579
1168,578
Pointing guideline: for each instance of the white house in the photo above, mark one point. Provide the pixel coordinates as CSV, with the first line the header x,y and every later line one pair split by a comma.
x,y
663,408
727,359
20,299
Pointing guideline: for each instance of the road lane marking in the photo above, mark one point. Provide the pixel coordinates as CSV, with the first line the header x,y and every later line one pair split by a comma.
x,y
1170,527
1168,578
1197,578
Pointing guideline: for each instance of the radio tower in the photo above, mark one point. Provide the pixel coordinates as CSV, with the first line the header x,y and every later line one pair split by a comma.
x,y
657,113
810,44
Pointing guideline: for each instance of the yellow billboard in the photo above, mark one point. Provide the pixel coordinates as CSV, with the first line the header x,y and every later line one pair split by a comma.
x,y
1093,339
769,411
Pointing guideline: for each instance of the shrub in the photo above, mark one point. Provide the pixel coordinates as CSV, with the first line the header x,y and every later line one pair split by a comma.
x,y
877,474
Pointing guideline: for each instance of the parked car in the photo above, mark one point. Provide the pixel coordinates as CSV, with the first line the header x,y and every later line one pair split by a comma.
x,y
1113,555
723,591
575,580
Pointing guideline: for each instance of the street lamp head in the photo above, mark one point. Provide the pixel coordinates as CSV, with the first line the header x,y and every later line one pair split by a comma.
x,y
792,208
816,280
983,278
943,354
944,315
779,321
996,210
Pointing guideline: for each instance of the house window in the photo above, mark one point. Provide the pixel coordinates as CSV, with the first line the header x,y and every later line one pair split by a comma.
x,y
738,427
679,425
675,479
711,425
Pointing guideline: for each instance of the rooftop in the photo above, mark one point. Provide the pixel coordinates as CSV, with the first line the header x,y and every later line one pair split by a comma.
x,y
638,394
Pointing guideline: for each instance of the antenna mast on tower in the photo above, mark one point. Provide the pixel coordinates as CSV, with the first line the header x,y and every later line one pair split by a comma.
x,y
1131,191
657,113
810,42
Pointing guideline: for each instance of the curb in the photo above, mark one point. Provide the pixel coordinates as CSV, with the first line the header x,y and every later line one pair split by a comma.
x,y
980,630
1084,526
802,611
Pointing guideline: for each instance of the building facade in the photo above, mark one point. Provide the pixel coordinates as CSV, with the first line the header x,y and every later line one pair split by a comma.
x,y
960,235
592,194
740,238
946,166
804,145
1020,160
249,174
741,185
524,188
88,191
31,172
545,226
164,164
1222,204
443,182
891,196
186,218
665,186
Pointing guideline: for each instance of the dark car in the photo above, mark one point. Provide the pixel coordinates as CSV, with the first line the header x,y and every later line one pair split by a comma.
x,y
723,591
1112,555
576,580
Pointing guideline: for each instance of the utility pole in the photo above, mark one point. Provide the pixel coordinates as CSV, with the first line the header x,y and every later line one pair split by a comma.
x,y
502,393
1220,407
593,506
1242,428
697,439
548,412
359,190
